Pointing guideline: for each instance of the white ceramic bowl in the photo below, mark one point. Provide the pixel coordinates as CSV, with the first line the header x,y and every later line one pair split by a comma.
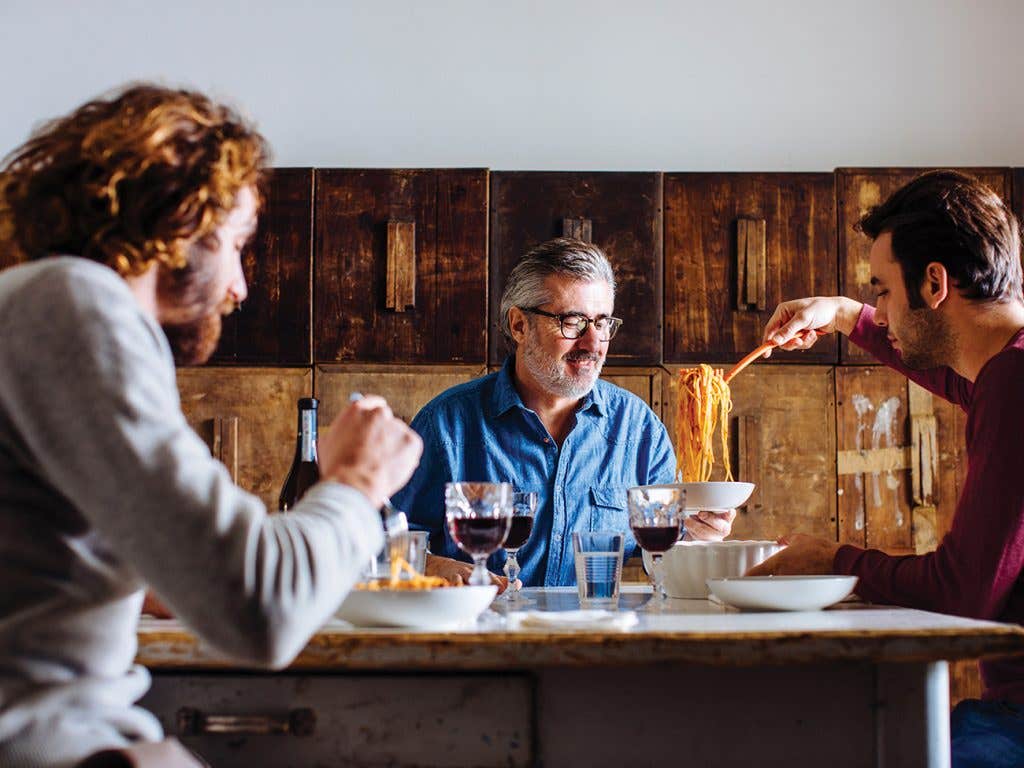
x,y
689,564
783,593
442,608
717,496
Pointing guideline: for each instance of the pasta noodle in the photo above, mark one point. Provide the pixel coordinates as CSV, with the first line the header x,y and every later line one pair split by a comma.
x,y
703,401
415,581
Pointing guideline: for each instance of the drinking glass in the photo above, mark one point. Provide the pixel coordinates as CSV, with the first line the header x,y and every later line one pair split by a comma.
x,y
479,516
656,516
524,507
598,557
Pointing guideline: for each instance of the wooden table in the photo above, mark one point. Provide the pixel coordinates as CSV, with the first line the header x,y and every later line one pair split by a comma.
x,y
701,684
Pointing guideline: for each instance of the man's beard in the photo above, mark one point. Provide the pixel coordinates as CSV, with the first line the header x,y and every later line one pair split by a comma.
x,y
190,313
926,340
193,342
552,374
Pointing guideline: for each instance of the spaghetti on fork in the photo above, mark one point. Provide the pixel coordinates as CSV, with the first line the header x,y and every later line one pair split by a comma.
x,y
703,401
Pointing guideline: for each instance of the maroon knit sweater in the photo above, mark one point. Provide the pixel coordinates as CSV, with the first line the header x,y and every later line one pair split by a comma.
x,y
976,569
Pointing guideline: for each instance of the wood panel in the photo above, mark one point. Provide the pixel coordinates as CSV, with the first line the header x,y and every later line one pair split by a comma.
x,y
782,435
263,403
273,325
407,388
857,191
448,209
645,383
737,244
620,212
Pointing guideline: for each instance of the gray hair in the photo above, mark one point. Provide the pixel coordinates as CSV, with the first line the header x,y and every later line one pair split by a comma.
x,y
564,256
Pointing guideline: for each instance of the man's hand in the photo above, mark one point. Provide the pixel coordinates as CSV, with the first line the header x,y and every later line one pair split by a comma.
x,y
709,526
369,449
797,324
457,573
803,555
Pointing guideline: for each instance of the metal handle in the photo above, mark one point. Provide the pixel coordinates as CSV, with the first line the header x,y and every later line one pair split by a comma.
x,y
297,722
751,265
401,266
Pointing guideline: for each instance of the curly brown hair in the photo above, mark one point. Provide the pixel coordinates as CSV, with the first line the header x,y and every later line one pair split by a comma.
x,y
128,179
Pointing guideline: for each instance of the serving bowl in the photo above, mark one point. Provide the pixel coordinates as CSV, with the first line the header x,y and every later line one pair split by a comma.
x,y
440,608
717,496
783,593
689,564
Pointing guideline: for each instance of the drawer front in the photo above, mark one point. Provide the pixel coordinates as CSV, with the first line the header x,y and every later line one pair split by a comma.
x,y
340,720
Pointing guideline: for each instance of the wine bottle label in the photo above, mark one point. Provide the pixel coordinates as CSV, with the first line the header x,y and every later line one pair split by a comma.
x,y
308,435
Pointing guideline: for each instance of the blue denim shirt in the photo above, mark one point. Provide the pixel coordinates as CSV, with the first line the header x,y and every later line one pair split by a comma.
x,y
482,431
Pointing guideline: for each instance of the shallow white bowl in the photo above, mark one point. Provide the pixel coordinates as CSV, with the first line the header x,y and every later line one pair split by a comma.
x,y
783,593
689,564
441,608
717,496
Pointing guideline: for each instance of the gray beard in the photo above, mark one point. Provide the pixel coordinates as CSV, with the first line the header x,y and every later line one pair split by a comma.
x,y
553,378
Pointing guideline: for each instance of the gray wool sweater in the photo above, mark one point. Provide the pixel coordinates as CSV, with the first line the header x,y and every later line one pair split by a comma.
x,y
105,489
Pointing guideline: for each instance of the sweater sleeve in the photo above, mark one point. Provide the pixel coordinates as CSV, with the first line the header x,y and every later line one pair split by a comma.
x,y
88,382
973,570
944,382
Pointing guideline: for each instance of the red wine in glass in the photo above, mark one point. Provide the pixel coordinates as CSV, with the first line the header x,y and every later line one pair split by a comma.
x,y
656,538
478,535
522,525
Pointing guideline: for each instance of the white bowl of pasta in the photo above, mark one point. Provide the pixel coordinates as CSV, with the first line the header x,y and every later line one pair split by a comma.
x,y
717,496
437,608
689,564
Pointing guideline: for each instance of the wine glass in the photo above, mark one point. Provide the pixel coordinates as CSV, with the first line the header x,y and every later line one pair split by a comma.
x,y
524,507
656,514
479,517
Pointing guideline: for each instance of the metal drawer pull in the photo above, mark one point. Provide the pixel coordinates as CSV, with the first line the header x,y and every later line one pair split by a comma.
x,y
298,722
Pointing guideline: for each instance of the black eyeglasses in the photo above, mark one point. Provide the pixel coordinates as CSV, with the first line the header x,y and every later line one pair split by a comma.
x,y
573,324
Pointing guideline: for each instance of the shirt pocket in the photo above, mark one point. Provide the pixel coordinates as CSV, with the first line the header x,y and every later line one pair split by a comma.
x,y
608,509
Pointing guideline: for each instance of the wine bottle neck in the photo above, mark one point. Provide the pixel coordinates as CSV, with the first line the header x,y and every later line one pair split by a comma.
x,y
306,441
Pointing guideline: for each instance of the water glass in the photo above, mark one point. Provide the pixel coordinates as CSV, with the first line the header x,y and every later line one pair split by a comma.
x,y
598,556
414,553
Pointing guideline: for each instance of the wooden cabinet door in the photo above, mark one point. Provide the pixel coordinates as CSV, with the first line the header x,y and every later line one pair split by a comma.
x,y
401,266
247,416
620,212
273,325
407,388
645,383
857,191
783,439
737,244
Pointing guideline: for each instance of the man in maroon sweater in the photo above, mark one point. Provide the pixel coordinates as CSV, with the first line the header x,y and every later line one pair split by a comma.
x,y
949,314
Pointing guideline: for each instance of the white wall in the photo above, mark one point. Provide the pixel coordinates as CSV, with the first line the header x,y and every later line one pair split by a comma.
x,y
571,84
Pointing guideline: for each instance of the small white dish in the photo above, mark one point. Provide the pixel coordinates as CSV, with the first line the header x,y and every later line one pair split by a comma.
x,y
782,593
717,496
440,608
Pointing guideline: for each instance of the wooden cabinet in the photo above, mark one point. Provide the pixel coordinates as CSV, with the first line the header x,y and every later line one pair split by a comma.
x,y
407,388
737,244
782,439
273,325
646,383
620,212
247,416
401,266
857,191
900,462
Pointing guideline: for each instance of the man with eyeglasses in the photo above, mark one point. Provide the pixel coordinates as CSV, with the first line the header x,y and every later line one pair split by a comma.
x,y
546,423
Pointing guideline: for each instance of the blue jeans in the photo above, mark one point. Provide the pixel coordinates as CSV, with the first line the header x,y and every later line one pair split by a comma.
x,y
987,734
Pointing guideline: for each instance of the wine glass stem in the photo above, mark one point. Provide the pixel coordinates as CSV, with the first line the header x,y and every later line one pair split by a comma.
x,y
656,576
479,577
512,570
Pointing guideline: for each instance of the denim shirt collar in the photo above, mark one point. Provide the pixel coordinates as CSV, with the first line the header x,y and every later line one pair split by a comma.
x,y
504,397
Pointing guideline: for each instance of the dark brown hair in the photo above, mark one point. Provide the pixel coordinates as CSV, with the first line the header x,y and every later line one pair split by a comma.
x,y
129,179
953,219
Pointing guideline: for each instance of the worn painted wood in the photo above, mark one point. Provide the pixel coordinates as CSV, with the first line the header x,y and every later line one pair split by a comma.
x,y
398,720
448,324
407,388
273,327
401,266
702,211
646,383
624,209
261,404
857,191
782,438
